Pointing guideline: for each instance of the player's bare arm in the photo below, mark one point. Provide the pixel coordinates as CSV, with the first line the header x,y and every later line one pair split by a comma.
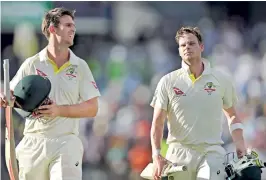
x,y
235,126
88,108
159,117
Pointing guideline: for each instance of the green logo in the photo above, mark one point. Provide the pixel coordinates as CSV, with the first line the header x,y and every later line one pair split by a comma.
x,y
71,70
209,87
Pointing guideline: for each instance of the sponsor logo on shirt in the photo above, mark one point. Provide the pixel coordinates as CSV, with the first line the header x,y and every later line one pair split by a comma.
x,y
178,92
71,72
209,87
94,84
40,73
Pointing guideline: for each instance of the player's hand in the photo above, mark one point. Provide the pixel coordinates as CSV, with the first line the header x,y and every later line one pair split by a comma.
x,y
241,152
241,149
159,162
52,110
4,102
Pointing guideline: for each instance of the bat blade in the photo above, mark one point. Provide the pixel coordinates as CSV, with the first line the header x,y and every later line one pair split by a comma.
x,y
10,154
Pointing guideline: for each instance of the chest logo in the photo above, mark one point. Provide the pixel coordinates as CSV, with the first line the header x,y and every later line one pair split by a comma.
x,y
209,87
40,73
71,72
178,92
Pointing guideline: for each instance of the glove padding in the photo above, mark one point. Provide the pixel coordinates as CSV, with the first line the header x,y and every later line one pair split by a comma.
x,y
246,168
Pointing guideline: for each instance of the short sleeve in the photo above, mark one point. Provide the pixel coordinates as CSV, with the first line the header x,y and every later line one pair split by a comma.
x,y
160,98
230,97
87,87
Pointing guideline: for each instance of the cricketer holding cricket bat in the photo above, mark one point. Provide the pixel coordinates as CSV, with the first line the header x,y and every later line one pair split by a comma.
x,y
51,148
193,99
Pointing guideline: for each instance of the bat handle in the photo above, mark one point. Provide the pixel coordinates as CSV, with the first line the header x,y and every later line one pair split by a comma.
x,y
6,80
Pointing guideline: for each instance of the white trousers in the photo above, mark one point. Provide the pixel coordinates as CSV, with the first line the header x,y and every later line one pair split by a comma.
x,y
45,158
204,162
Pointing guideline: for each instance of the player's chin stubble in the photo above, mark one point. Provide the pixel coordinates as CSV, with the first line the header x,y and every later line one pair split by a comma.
x,y
188,61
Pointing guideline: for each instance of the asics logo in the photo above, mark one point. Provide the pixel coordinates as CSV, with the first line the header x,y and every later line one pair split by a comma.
x,y
178,92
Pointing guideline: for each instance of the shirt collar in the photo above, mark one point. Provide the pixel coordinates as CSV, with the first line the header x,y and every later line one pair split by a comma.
x,y
207,66
73,58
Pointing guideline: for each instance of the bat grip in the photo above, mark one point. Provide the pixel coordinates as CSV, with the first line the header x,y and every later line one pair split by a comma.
x,y
6,80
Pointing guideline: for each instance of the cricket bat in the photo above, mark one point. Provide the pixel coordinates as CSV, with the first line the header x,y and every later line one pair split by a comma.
x,y
10,153
168,169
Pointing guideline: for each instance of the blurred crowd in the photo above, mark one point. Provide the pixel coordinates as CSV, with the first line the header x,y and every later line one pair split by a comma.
x,y
117,141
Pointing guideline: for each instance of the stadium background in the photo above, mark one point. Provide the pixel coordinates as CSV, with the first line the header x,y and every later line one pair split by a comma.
x,y
129,46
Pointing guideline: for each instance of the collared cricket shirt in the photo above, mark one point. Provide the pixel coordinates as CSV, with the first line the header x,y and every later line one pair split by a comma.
x,y
194,106
71,84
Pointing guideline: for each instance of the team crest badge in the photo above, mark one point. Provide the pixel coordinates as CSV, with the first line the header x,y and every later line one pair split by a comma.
x,y
209,87
71,72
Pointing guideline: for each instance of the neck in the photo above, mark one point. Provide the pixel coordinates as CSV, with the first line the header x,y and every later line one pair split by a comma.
x,y
196,68
57,53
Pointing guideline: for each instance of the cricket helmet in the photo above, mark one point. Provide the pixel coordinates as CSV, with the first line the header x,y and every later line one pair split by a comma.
x,y
31,92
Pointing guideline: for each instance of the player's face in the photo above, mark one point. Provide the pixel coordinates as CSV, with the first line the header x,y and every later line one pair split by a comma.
x,y
189,48
65,31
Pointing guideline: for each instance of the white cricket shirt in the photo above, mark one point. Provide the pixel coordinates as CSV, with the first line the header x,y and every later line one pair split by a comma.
x,y
71,84
194,107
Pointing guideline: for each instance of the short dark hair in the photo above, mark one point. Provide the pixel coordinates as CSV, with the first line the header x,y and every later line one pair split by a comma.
x,y
53,17
191,30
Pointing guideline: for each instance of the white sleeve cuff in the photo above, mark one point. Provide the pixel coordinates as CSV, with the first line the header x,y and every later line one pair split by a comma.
x,y
156,152
235,126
